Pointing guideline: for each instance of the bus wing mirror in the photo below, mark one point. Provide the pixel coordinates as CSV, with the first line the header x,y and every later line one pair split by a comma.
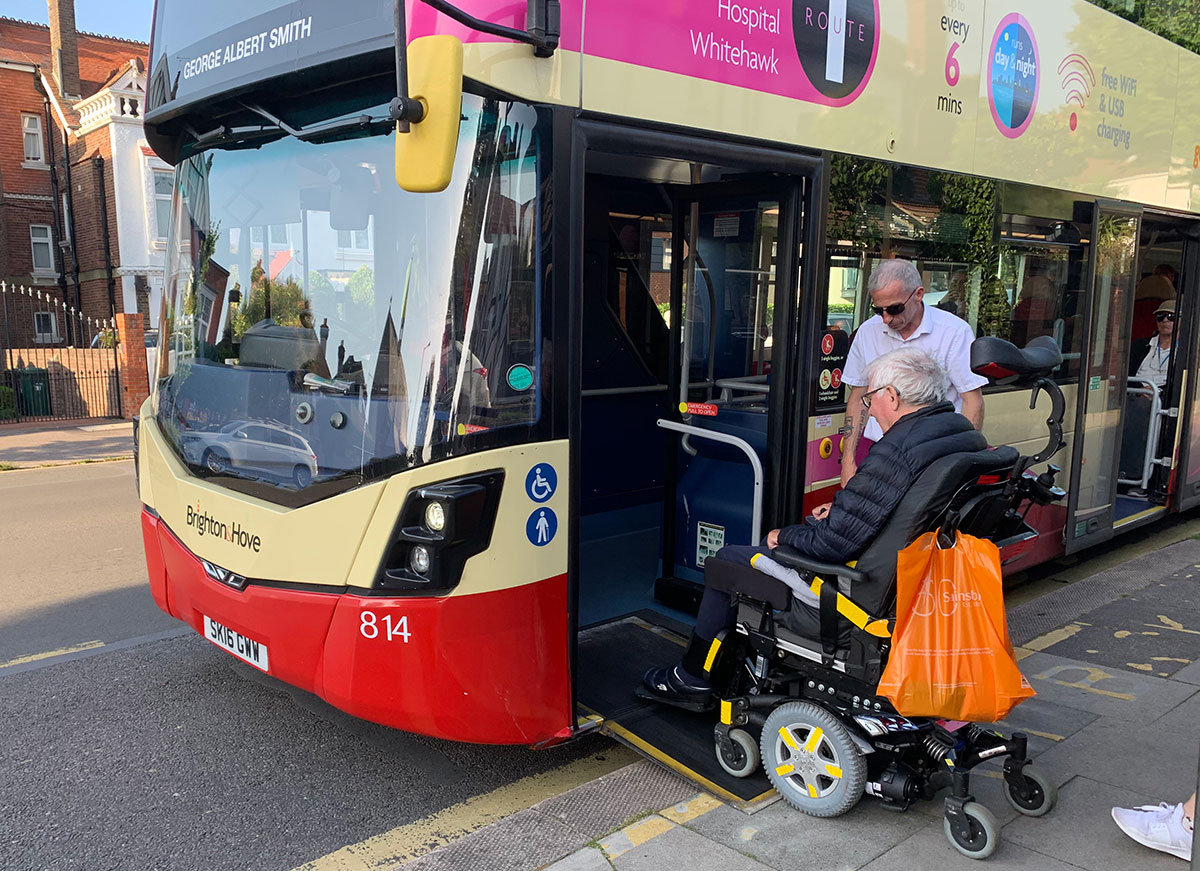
x,y
425,154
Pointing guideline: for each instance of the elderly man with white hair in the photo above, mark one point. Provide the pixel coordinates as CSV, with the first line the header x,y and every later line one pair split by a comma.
x,y
902,320
907,398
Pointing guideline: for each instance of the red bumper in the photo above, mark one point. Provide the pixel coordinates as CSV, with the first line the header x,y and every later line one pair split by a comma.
x,y
489,668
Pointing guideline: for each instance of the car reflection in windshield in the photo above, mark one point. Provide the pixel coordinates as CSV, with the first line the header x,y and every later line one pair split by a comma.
x,y
260,448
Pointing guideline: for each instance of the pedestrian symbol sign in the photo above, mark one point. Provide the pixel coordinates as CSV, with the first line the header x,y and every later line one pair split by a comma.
x,y
541,527
541,482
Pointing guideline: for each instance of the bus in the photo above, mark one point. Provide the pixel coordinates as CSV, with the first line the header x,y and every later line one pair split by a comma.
x,y
457,413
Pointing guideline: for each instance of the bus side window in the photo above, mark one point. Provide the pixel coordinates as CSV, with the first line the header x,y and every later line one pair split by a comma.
x,y
1043,268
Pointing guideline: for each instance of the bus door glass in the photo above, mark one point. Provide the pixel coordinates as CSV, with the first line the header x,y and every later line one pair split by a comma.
x,y
1093,492
733,284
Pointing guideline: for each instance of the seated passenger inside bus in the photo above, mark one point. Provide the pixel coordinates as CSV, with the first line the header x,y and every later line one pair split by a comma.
x,y
1149,363
1150,357
907,397
1149,293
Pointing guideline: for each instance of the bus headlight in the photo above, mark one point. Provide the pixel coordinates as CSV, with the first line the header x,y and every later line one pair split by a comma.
x,y
419,560
440,526
435,516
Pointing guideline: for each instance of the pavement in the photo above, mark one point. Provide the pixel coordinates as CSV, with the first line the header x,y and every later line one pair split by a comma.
x,y
1115,660
37,443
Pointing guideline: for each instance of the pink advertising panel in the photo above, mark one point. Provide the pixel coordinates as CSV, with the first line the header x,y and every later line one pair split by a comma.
x,y
819,51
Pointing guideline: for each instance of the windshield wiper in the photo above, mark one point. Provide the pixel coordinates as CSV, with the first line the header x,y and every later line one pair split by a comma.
x,y
239,137
318,131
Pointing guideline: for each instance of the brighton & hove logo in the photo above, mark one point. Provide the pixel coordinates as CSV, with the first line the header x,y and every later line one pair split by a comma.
x,y
206,524
1013,75
836,41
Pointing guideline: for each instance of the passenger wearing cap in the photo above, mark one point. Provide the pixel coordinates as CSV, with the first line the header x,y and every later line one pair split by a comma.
x,y
1152,356
1150,292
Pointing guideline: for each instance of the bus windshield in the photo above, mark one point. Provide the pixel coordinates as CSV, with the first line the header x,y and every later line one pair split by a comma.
x,y
320,327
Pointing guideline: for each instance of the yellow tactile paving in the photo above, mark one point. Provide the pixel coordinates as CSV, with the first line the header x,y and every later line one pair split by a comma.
x,y
419,837
689,810
634,835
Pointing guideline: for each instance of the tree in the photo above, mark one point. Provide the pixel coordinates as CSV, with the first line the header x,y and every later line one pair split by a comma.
x,y
318,282
321,294
362,287
965,230
1176,20
855,186
289,306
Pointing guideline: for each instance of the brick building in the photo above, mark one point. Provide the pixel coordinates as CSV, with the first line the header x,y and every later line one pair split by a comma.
x,y
84,203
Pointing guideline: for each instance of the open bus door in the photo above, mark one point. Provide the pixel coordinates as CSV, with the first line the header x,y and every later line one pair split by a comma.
x,y
735,284
1092,498
676,454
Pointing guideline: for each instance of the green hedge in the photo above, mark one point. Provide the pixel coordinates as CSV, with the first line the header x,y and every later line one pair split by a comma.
x,y
8,403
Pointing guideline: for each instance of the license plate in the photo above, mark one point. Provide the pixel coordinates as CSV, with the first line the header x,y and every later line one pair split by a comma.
x,y
253,652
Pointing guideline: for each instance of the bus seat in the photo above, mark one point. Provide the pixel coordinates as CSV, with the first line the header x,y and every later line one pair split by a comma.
x,y
716,485
1150,292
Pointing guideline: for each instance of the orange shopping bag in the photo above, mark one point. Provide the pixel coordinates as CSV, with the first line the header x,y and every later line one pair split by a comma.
x,y
951,655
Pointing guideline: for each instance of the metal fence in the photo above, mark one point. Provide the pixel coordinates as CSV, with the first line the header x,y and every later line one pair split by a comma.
x,y
55,363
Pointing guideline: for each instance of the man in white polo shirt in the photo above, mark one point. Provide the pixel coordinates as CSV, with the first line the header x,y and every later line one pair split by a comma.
x,y
903,320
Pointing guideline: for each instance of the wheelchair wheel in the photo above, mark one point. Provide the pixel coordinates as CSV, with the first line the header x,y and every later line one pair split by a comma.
x,y
811,759
741,759
985,833
1042,794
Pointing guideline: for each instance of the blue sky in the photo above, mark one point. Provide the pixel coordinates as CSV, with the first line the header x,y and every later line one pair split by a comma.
x,y
129,19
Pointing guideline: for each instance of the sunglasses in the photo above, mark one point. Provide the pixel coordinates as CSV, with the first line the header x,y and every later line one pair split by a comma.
x,y
896,309
1164,316
866,397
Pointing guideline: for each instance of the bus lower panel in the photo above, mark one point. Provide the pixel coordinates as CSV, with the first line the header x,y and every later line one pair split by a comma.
x,y
488,668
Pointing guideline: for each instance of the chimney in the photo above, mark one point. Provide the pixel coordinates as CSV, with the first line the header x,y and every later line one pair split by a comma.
x,y
64,46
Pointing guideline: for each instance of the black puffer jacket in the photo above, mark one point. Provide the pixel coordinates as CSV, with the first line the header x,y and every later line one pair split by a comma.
x,y
861,509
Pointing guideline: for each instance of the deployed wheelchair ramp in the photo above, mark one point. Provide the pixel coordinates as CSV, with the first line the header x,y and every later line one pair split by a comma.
x,y
611,660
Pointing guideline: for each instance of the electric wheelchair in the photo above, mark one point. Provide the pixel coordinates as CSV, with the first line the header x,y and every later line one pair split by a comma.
x,y
805,708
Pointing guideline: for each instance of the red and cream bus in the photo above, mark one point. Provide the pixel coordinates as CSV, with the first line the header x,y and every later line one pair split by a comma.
x,y
453,459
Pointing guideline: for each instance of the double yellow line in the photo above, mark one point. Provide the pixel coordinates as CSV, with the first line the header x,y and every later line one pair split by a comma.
x,y
62,651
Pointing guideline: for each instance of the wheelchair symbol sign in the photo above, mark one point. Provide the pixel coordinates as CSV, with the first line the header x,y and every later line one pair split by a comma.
x,y
541,482
541,527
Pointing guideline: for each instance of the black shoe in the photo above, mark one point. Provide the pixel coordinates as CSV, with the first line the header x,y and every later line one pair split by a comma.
x,y
667,685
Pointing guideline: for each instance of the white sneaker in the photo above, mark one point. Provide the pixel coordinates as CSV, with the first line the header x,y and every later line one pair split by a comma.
x,y
1159,827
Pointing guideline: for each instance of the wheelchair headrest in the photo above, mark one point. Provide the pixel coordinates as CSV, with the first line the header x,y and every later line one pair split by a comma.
x,y
1005,363
920,511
